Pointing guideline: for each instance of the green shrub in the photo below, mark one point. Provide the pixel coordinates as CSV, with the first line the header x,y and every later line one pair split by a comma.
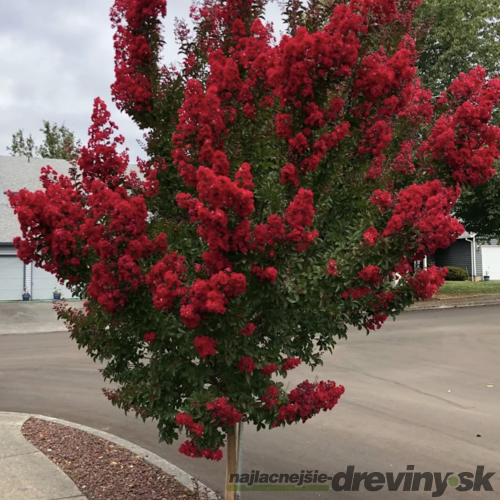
x,y
457,274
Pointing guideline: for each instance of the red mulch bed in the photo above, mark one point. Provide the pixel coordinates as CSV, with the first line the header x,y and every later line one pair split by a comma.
x,y
103,470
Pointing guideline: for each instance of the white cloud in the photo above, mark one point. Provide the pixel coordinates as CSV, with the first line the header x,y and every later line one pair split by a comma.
x,y
56,56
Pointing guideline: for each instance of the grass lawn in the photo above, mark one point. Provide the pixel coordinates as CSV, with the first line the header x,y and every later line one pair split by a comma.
x,y
469,288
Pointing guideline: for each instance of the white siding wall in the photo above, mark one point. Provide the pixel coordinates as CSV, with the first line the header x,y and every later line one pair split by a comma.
x,y
491,261
11,278
42,284
27,275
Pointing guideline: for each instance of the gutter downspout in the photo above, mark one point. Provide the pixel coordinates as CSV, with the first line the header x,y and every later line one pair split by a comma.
x,y
472,256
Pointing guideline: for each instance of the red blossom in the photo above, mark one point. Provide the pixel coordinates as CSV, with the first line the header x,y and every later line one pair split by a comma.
x,y
133,51
371,274
464,140
381,199
270,397
426,283
403,267
185,420
309,399
150,337
268,274
205,346
356,293
290,174
371,236
427,208
248,330
376,321
191,449
269,369
246,365
331,268
226,414
290,364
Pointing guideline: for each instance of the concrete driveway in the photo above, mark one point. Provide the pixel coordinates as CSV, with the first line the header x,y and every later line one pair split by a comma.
x,y
417,393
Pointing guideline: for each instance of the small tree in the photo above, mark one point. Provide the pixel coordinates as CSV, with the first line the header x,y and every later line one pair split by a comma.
x,y
293,179
22,146
58,143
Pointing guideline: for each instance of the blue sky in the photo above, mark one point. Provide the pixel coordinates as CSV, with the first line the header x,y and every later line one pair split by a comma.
x,y
56,56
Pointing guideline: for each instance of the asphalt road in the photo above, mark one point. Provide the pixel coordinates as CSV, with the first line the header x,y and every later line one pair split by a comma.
x,y
416,394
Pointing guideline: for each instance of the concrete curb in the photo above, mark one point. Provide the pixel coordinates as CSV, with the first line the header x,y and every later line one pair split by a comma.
x,y
30,329
182,477
430,307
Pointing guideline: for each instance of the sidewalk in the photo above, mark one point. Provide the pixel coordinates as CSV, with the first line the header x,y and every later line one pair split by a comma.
x,y
28,474
25,472
449,303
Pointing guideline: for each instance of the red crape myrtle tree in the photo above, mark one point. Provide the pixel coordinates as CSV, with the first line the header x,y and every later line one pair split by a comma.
x,y
287,183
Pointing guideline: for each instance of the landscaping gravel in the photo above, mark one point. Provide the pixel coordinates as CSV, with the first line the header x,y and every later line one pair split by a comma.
x,y
103,470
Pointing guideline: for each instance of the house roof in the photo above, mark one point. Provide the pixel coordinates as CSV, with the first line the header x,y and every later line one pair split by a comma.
x,y
16,173
466,234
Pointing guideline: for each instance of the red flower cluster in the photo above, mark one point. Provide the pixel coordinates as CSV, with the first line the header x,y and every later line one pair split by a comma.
x,y
205,346
371,236
191,449
298,216
290,174
426,283
290,364
270,397
379,77
211,296
268,274
165,281
246,365
383,300
64,223
307,399
427,208
381,199
404,267
269,369
248,330
226,414
269,234
185,420
376,321
464,140
150,337
331,268
132,90
371,274
356,293
403,161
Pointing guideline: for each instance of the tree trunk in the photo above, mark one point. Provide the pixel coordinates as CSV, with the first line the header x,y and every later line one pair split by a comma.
x,y
231,461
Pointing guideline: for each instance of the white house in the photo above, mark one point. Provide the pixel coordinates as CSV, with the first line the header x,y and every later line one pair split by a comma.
x,y
17,172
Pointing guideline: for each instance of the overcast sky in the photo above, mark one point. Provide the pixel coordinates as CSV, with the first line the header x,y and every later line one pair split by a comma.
x,y
56,56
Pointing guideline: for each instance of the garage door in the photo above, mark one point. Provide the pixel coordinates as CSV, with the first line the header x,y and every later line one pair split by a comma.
x,y
491,261
11,278
43,284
